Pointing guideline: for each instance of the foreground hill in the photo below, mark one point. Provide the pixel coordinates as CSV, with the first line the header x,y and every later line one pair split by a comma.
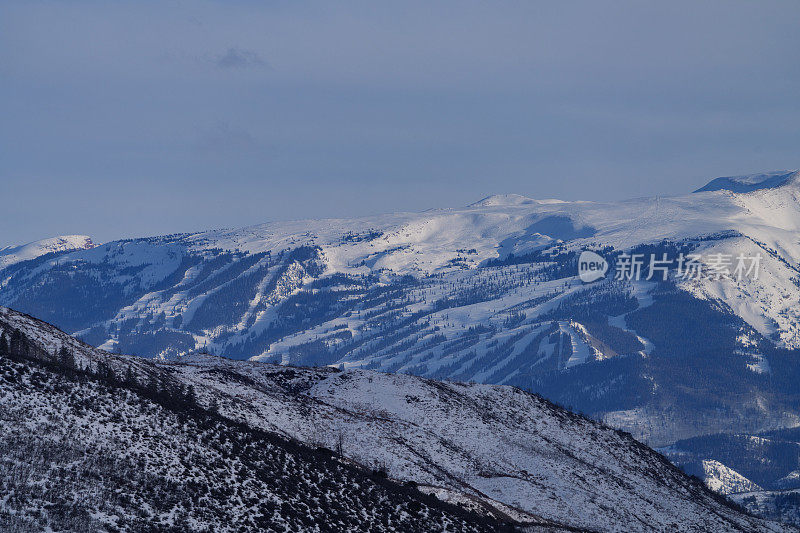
x,y
179,428
86,452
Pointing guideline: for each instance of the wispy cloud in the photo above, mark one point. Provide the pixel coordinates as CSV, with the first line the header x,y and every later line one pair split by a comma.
x,y
238,58
223,138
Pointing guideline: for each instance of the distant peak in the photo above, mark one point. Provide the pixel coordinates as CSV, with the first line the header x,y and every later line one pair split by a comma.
x,y
70,242
56,244
64,243
504,199
751,182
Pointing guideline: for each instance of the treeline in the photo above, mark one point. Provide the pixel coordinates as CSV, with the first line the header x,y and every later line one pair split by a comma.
x,y
154,385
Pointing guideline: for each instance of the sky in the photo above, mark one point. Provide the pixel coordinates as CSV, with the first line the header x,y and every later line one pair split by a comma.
x,y
122,119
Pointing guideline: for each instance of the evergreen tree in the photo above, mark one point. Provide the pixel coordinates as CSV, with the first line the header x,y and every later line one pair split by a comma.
x,y
189,397
152,388
66,358
213,406
130,378
4,348
17,346
105,372
101,371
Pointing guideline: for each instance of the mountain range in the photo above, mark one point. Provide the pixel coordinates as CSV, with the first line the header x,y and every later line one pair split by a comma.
x,y
488,294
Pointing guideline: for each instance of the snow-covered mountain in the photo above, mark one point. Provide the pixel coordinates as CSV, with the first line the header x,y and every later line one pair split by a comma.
x,y
224,434
65,243
176,275
750,183
164,275
759,471
488,293
88,451
725,480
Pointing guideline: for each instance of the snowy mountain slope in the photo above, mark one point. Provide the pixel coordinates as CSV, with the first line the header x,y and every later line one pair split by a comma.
x,y
750,183
724,480
88,452
10,255
510,453
769,459
431,243
485,293
783,505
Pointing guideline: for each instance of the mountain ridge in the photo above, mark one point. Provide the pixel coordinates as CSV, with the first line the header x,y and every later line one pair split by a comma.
x,y
85,447
752,182
10,255
552,465
487,294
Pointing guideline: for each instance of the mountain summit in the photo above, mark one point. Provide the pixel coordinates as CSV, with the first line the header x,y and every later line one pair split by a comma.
x,y
752,182
503,199
64,243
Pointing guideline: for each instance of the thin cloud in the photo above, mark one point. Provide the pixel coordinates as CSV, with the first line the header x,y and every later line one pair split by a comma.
x,y
238,58
223,138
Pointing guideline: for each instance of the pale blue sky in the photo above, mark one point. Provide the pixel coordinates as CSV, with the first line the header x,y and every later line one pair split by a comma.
x,y
122,119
